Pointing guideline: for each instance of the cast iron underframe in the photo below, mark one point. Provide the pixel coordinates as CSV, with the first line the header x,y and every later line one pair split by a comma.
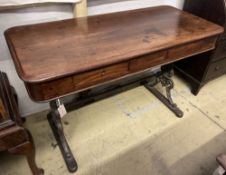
x,y
148,79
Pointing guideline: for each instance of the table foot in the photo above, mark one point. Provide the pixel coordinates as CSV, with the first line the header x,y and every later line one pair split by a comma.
x,y
57,128
167,82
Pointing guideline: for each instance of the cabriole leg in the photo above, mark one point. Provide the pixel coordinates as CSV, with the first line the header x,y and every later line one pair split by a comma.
x,y
28,149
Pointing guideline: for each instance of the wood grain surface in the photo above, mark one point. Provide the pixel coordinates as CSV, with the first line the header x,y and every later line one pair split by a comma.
x,y
45,91
50,51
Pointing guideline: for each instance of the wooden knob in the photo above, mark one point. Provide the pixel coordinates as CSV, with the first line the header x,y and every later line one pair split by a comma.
x,y
103,72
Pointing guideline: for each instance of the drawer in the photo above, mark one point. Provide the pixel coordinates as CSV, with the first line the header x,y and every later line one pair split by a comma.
x,y
192,48
100,75
64,86
216,69
147,61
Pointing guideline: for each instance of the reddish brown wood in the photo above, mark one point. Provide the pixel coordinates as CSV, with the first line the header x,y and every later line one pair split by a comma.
x,y
13,137
192,48
48,51
147,61
57,88
27,148
58,58
11,114
62,57
3,113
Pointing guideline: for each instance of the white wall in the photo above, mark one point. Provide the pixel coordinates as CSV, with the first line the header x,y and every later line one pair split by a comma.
x,y
19,17
50,13
133,4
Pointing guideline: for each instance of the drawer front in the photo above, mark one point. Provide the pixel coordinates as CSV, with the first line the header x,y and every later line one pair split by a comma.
x,y
147,61
192,49
61,87
216,69
64,86
51,89
99,76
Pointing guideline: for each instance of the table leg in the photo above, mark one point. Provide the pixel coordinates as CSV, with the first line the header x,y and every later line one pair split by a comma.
x,y
167,82
148,80
57,128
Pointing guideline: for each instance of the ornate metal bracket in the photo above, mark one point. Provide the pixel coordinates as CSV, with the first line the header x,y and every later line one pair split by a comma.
x,y
149,80
165,79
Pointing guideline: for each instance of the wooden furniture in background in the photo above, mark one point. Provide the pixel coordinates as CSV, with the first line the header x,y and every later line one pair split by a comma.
x,y
202,68
109,51
13,137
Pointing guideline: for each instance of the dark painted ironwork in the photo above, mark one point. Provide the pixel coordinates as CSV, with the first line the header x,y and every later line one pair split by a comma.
x,y
57,128
148,79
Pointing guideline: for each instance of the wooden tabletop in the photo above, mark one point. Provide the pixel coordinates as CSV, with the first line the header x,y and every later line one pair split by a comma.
x,y
52,50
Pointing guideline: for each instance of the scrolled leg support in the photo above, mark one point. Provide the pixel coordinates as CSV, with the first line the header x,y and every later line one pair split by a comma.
x,y
167,82
57,128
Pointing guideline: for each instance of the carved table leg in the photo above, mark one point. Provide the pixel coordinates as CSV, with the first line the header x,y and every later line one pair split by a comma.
x,y
28,149
57,128
165,80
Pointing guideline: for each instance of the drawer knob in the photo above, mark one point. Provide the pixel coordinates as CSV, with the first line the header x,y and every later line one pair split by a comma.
x,y
103,72
217,68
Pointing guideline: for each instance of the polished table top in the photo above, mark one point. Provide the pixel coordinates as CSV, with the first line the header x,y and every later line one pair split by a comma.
x,y
77,55
48,51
